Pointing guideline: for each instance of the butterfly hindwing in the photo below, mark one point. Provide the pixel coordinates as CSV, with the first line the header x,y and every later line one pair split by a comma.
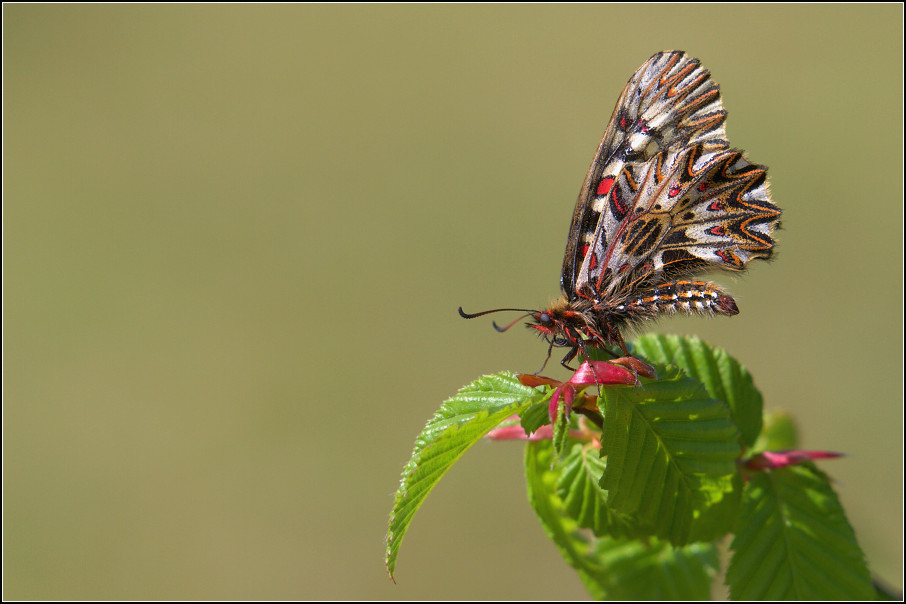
x,y
681,213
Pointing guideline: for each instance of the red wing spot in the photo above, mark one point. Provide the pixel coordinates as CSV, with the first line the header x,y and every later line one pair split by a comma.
x,y
624,268
594,259
674,190
704,186
623,123
719,231
726,256
716,206
643,126
604,186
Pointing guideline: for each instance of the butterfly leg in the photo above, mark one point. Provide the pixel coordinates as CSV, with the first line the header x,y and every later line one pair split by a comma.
x,y
569,357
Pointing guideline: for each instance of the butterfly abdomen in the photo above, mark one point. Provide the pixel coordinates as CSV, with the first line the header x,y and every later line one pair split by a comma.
x,y
681,296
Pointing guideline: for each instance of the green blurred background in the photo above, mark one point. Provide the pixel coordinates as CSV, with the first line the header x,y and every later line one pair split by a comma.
x,y
236,238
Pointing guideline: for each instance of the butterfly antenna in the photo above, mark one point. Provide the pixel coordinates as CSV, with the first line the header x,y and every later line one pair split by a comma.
x,y
466,315
528,312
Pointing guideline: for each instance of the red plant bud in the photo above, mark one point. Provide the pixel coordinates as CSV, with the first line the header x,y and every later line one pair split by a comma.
x,y
517,433
590,373
770,460
639,367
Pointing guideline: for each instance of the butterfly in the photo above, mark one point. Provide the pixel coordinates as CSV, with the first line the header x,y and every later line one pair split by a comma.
x,y
665,199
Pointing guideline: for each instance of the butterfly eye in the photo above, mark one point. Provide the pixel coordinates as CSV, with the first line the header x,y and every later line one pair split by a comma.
x,y
545,320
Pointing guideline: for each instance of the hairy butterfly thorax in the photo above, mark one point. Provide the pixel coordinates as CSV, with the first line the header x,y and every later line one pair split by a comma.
x,y
665,199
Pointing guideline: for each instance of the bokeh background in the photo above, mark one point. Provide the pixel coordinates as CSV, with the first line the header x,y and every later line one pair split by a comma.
x,y
235,239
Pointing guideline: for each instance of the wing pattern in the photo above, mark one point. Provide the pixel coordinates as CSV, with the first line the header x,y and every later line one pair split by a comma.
x,y
668,104
665,198
681,213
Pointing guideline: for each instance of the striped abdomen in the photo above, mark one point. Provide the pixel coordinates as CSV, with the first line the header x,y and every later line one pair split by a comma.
x,y
693,297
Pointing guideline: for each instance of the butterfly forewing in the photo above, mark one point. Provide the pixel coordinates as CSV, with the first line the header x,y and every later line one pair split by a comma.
x,y
669,103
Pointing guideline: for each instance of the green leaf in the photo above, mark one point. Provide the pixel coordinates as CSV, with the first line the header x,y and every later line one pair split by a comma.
x,y
655,570
583,498
561,430
617,569
536,415
459,423
723,376
717,519
562,530
671,452
793,541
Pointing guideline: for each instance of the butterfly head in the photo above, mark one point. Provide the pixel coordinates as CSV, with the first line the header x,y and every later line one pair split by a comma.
x,y
568,323
554,324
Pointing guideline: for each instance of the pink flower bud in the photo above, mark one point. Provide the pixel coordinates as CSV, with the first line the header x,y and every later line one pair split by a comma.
x,y
769,460
517,433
